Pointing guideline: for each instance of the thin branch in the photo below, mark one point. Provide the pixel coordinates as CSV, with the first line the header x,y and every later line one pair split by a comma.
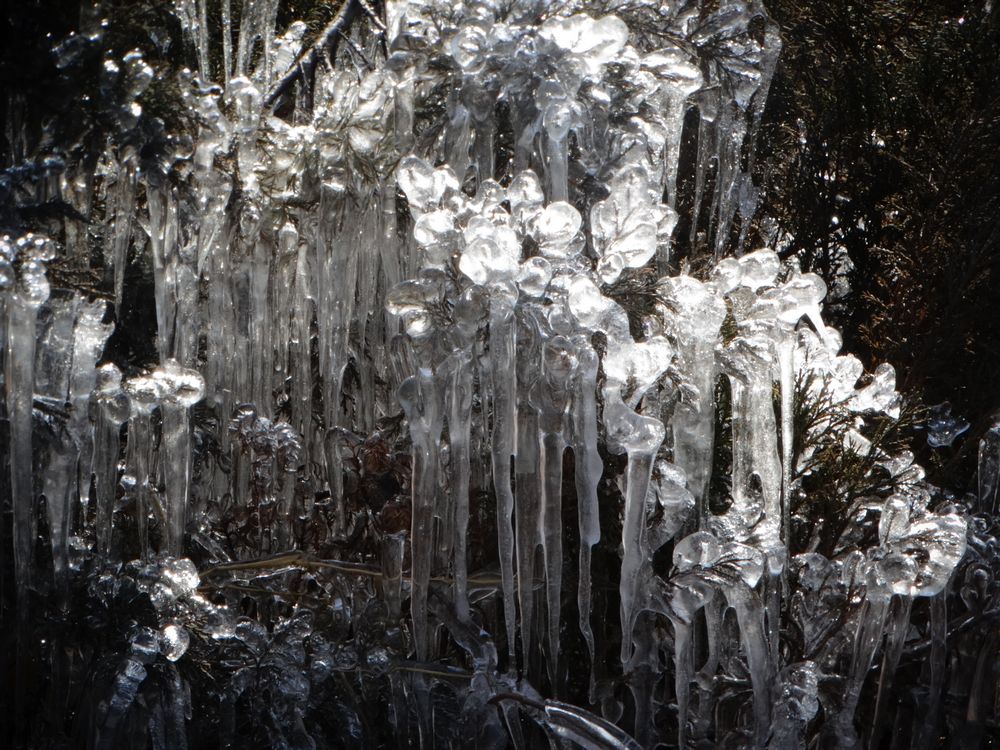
x,y
306,64
306,561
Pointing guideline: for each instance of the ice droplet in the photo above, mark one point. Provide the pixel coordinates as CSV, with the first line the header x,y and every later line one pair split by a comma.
x,y
943,427
174,641
556,228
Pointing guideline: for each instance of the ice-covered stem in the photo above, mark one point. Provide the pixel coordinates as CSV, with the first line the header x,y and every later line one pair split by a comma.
x,y
181,388
556,121
896,632
925,725
52,381
871,624
695,315
750,616
90,337
469,313
288,445
124,207
683,672
551,397
687,594
70,345
502,338
420,398
796,704
640,437
756,470
24,295
988,475
144,396
527,477
392,553
588,470
109,410
459,419
786,377
163,239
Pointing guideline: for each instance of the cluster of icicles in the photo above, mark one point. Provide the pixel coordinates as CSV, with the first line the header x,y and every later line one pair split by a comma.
x,y
512,349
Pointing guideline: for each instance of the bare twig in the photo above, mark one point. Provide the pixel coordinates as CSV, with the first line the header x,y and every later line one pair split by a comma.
x,y
306,64
304,560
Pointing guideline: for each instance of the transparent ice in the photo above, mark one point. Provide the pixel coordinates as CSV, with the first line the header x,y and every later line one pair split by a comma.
x,y
327,275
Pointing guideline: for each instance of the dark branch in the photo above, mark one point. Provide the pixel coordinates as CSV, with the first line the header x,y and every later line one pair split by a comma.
x,y
306,64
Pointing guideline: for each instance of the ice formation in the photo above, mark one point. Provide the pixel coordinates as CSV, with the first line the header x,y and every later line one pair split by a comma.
x,y
316,274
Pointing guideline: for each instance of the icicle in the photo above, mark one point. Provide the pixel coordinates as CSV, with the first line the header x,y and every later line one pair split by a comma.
x,y
300,349
163,238
287,454
527,477
696,323
420,400
680,78
144,395
642,674
250,19
125,190
484,147
458,141
90,338
786,374
52,382
227,40
550,397
683,672
703,162
469,314
871,623
988,475
338,277
110,409
641,438
25,296
502,344
193,16
180,389
756,470
391,557
557,120
925,724
750,615
261,342
795,706
588,470
896,632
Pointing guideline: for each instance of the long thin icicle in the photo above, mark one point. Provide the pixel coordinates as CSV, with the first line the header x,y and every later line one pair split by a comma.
x,y
589,466
502,343
551,396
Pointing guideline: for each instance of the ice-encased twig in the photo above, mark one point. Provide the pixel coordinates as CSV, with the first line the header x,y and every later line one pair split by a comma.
x,y
180,389
459,427
551,397
588,469
24,295
420,398
109,410
502,346
144,396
